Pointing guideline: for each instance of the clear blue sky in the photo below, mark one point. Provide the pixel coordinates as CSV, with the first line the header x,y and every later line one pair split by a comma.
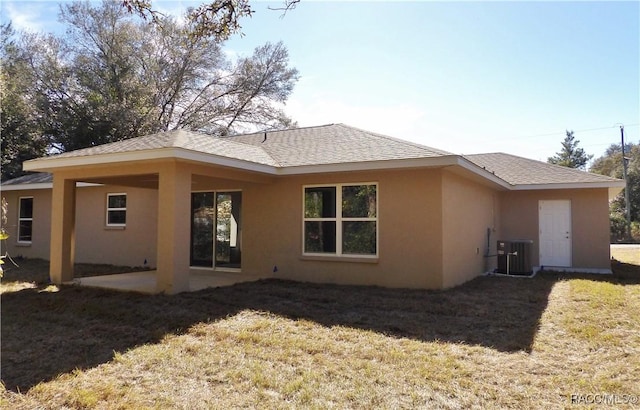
x,y
466,77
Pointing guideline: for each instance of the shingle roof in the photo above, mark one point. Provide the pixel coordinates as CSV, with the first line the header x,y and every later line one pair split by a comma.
x,y
35,178
333,144
177,139
523,171
328,144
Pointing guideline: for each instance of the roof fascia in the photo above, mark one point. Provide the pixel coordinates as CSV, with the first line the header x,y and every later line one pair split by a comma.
x,y
429,162
572,185
51,164
23,187
41,185
470,166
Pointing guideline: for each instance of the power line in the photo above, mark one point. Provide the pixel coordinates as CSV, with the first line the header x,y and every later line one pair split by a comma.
x,y
577,131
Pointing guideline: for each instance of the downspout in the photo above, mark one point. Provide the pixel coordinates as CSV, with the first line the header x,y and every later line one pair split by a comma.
x,y
487,253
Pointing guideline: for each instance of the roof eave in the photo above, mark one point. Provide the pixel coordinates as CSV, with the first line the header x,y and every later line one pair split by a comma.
x,y
476,169
425,162
41,185
613,187
24,187
570,185
53,164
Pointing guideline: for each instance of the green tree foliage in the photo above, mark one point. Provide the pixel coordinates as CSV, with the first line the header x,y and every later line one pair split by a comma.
x,y
114,76
20,125
610,164
570,156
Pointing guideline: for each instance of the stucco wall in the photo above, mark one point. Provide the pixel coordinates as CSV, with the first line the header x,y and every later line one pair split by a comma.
x,y
432,225
409,231
95,242
589,222
128,246
469,209
39,247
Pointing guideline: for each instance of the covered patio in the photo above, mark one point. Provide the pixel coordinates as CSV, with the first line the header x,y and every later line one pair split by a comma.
x,y
146,281
168,164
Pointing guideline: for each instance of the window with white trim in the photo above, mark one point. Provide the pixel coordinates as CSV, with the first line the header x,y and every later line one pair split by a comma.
x,y
341,220
117,209
25,220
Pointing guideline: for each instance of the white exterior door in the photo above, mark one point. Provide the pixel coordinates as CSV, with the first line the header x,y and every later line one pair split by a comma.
x,y
555,233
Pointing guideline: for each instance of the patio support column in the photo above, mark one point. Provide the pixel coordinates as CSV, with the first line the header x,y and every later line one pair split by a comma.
x,y
174,227
63,217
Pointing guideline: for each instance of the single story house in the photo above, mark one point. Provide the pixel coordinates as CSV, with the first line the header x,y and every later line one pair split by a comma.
x,y
332,204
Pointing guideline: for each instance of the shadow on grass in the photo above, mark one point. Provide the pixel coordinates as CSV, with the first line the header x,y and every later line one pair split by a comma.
x,y
48,333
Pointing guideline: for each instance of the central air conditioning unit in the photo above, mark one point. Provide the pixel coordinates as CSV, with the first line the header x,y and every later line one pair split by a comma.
x,y
514,257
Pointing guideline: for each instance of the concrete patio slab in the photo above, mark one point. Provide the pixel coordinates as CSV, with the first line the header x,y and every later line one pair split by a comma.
x,y
145,282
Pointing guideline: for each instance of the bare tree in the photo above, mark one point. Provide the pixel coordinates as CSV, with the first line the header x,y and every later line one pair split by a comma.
x,y
218,19
113,77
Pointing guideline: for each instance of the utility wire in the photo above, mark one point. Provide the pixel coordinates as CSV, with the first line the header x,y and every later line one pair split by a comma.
x,y
576,131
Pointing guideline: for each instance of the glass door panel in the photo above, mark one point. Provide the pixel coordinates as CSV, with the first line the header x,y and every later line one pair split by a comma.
x,y
202,222
228,230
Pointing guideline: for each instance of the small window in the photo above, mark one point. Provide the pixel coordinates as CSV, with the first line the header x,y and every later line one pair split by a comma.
x,y
25,220
116,209
341,220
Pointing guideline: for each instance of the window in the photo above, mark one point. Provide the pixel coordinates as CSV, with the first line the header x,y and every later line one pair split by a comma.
x,y
116,209
25,220
341,220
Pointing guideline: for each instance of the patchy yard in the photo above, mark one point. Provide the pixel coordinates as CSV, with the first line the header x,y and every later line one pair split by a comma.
x,y
494,342
626,253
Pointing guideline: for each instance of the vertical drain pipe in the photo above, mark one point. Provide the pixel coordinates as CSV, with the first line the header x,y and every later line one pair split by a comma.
x,y
488,251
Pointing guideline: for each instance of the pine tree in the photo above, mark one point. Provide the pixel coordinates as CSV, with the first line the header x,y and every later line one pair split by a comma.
x,y
570,156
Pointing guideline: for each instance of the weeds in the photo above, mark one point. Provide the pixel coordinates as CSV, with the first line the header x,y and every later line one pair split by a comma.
x,y
494,342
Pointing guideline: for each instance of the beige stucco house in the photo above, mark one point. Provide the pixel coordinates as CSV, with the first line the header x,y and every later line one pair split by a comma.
x,y
330,204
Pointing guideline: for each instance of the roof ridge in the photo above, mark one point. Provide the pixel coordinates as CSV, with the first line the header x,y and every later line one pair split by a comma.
x,y
229,139
174,134
282,130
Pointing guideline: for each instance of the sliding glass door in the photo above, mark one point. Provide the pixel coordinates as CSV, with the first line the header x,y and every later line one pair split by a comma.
x,y
216,229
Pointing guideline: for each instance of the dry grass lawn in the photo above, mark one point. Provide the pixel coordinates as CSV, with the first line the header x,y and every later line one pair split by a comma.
x,y
495,342
630,255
